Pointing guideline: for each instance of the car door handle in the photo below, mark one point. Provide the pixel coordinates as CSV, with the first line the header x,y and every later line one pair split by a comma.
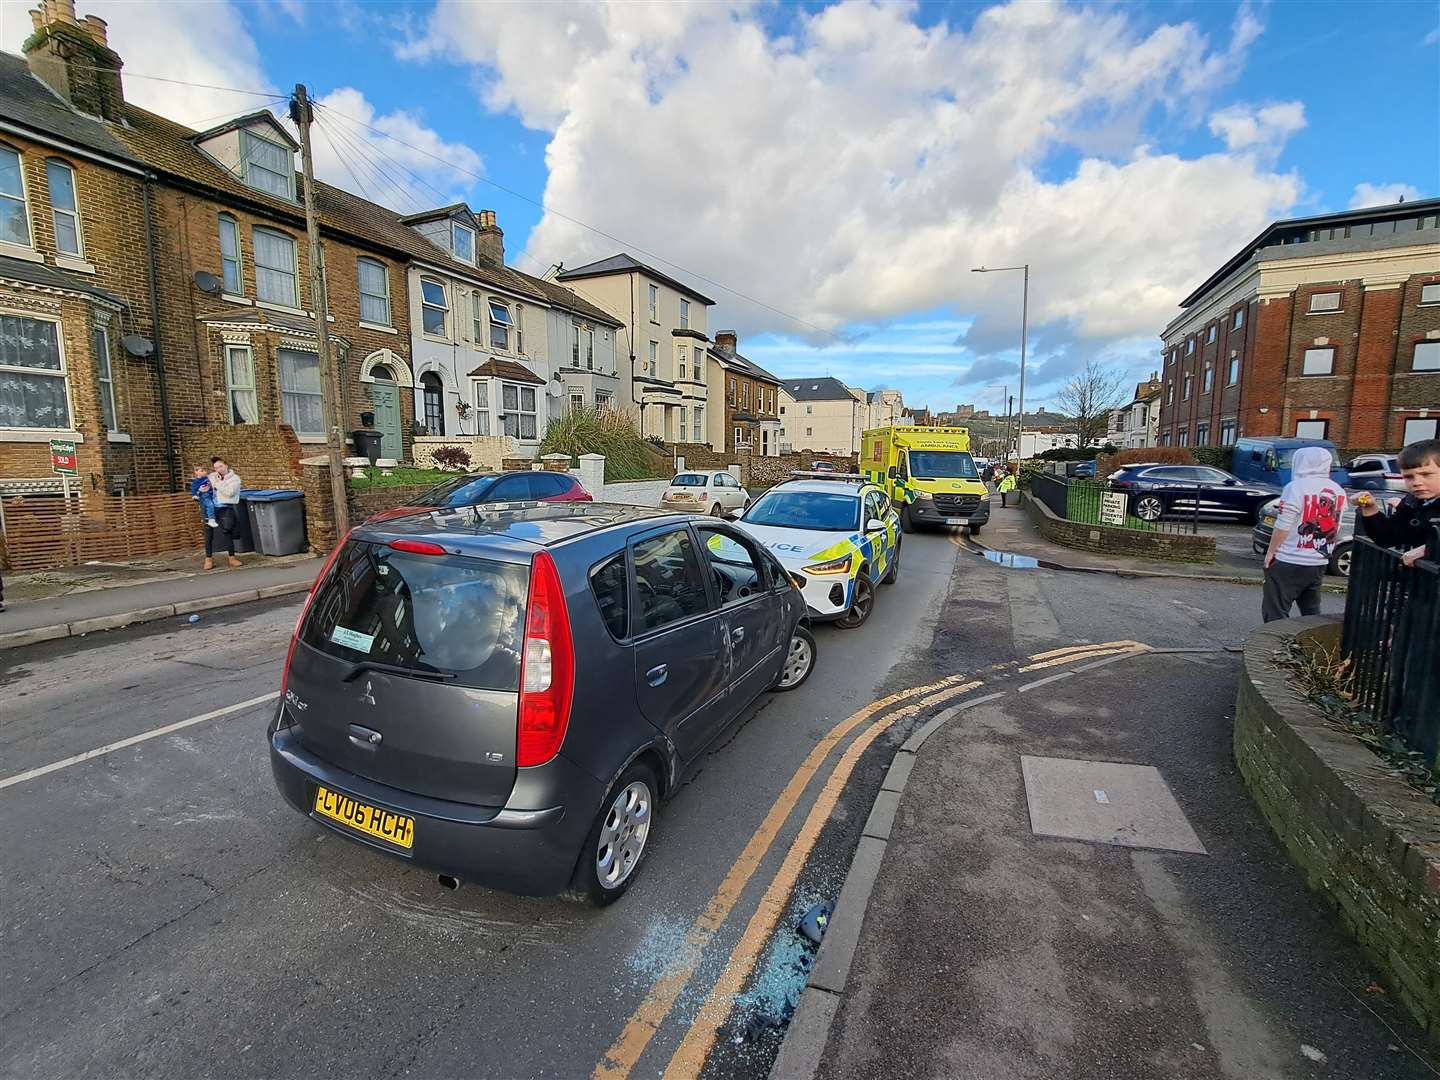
x,y
657,674
738,634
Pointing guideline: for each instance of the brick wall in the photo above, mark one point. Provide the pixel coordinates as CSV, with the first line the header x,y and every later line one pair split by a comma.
x,y
486,451
188,239
264,457
1364,840
112,240
1113,540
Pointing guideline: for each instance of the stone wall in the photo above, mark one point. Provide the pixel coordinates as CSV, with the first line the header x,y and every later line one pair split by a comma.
x,y
486,451
1367,842
757,470
1115,540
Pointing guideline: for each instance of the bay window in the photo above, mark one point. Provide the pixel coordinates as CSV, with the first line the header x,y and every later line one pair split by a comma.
x,y
240,380
482,408
518,404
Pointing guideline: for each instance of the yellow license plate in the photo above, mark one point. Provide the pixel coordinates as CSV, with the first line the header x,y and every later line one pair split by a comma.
x,y
382,824
1269,520
680,497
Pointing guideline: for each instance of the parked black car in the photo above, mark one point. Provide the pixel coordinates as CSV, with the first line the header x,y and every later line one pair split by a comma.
x,y
1158,490
506,695
501,487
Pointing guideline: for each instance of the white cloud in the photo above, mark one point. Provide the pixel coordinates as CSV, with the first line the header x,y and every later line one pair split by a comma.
x,y
413,168
1264,128
1381,194
201,43
854,168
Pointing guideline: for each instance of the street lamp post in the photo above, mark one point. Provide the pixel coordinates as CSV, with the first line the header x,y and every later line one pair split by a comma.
x,y
1024,318
1007,399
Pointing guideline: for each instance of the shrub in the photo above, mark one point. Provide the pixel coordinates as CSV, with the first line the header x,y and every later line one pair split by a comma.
x,y
1106,464
1028,468
452,457
602,431
1218,456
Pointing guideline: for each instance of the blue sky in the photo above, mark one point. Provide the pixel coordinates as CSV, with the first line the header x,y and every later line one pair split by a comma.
x,y
785,152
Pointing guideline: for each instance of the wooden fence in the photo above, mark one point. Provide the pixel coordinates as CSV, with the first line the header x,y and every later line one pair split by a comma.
x,y
46,532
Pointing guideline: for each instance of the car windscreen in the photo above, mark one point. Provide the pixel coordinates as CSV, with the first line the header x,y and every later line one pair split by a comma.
x,y
462,491
688,480
425,613
935,464
1287,456
819,510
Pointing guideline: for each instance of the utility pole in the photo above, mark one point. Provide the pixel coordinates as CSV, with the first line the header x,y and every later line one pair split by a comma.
x,y
1024,319
330,396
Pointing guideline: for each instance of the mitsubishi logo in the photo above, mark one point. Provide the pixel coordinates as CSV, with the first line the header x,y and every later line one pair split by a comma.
x,y
368,697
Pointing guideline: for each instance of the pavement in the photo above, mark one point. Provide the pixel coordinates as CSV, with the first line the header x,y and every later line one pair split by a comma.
x,y
71,601
169,915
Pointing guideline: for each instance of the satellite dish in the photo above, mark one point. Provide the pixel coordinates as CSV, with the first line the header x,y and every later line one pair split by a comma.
x,y
137,345
207,283
554,389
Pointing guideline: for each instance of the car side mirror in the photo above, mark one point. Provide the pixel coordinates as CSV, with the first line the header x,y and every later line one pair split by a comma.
x,y
732,515
1232,482
875,525
894,472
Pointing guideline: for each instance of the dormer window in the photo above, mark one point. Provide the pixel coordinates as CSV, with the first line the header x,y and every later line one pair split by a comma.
x,y
462,242
269,166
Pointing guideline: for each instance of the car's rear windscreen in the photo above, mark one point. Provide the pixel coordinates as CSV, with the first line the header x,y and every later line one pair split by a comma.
x,y
428,613
688,480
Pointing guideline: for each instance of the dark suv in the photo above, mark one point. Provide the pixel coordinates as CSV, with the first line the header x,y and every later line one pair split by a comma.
x,y
505,695
1157,490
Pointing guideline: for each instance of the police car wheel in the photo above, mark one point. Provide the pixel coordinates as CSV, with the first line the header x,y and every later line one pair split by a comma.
x,y
893,570
799,660
861,605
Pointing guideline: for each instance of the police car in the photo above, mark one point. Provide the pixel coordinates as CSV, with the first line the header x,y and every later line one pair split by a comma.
x,y
836,534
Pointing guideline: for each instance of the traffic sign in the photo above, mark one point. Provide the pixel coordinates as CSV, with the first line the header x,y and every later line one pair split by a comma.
x,y
62,457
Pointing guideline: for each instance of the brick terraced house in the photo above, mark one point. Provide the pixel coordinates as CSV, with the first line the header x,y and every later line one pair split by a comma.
x,y
745,412
74,277
1324,327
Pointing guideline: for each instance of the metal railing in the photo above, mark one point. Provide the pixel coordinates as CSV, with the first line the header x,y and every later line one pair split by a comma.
x,y
1080,500
1392,640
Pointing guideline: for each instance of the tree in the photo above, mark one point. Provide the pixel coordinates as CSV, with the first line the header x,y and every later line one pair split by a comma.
x,y
1089,396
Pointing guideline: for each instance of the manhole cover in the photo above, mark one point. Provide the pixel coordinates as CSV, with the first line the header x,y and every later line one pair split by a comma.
x,y
1106,802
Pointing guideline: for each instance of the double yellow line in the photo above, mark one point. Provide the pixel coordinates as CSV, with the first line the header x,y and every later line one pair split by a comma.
x,y
1056,657
627,1049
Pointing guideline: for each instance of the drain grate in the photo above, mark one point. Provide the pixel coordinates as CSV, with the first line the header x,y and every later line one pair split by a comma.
x,y
1105,802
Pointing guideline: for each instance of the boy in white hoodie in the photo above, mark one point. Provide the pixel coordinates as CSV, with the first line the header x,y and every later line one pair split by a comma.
x,y
1304,538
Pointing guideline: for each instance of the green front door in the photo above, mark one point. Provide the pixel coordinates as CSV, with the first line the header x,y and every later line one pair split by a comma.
x,y
385,397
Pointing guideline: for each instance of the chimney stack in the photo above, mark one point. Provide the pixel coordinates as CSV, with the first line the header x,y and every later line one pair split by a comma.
x,y
726,342
490,244
75,59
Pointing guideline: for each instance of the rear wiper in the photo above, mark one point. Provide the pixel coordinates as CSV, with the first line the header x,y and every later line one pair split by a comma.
x,y
396,669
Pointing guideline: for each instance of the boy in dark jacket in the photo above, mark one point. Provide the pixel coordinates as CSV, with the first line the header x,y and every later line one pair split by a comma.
x,y
1410,523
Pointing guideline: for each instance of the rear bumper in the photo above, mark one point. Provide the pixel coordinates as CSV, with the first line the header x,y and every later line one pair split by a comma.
x,y
521,850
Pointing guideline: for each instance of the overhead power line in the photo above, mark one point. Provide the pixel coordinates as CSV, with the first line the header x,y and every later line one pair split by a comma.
x,y
587,226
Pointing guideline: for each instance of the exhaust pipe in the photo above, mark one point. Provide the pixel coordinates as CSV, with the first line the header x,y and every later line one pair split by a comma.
x,y
451,883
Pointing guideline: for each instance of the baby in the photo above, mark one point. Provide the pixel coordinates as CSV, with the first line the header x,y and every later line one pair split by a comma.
x,y
204,494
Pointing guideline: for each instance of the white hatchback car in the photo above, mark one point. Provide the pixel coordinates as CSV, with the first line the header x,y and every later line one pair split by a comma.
x,y
714,493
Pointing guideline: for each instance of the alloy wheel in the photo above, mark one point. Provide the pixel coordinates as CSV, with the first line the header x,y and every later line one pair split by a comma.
x,y
797,662
1149,508
623,835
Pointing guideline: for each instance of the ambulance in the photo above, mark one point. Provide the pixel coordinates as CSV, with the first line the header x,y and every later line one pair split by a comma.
x,y
929,475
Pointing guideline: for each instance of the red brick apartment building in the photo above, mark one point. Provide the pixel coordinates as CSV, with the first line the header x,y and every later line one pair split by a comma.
x,y
1323,327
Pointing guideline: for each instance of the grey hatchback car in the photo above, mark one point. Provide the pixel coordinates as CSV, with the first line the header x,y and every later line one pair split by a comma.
x,y
505,696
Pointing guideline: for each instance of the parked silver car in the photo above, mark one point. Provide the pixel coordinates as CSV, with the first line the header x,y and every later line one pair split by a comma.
x,y
1344,539
716,493
1375,472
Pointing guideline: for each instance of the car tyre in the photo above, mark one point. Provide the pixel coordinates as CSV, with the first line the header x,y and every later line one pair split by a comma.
x,y
717,510
1149,508
907,523
893,570
1340,561
612,857
799,660
862,604
975,529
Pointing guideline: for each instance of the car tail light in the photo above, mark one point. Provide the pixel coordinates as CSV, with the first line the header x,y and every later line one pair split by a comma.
x,y
1121,484
417,547
547,667
305,609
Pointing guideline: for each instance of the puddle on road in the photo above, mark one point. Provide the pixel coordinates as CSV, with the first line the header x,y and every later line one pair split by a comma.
x,y
1010,559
